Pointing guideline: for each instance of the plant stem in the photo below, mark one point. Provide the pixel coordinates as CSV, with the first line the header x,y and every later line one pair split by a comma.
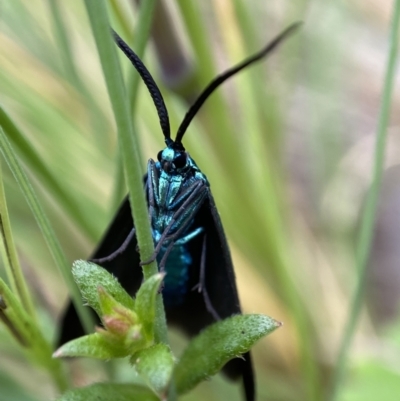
x,y
25,330
369,213
11,262
128,144
142,33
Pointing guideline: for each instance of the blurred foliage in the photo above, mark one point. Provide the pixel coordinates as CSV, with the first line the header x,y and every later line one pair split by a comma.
x,y
287,147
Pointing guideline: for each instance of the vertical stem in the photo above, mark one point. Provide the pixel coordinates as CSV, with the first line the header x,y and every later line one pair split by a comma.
x,y
368,218
142,33
97,12
12,265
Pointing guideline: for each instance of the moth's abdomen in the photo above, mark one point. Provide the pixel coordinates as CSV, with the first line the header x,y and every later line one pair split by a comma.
x,y
177,275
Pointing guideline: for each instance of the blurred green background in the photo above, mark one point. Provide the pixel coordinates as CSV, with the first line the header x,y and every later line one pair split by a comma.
x,y
287,146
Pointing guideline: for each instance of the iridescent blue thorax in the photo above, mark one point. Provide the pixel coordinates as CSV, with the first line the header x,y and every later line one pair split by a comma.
x,y
176,190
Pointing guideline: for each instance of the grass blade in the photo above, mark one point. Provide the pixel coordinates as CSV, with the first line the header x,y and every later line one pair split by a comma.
x,y
369,213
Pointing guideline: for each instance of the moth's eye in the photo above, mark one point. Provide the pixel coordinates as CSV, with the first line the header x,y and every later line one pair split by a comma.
x,y
159,154
180,160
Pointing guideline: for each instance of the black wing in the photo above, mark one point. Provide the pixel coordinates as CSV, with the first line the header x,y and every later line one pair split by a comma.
x,y
220,278
124,266
193,316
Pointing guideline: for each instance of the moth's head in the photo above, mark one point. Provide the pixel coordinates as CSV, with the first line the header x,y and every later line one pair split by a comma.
x,y
173,158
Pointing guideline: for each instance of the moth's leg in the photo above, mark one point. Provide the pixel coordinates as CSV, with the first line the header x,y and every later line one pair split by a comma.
x,y
201,287
150,196
117,252
198,192
152,180
163,261
180,241
157,249
189,193
151,186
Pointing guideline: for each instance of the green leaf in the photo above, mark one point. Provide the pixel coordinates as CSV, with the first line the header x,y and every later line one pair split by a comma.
x,y
207,353
109,391
119,322
155,365
126,331
93,346
107,302
88,276
145,305
109,305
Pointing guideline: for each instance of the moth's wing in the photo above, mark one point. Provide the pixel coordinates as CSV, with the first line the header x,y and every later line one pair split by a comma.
x,y
193,316
124,266
220,275
222,290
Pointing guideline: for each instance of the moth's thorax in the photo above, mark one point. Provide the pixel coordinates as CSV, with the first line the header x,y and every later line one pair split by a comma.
x,y
170,187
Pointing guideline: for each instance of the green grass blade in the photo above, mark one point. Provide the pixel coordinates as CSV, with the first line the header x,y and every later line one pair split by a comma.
x,y
35,163
142,32
129,148
63,43
11,262
45,227
28,334
369,212
99,123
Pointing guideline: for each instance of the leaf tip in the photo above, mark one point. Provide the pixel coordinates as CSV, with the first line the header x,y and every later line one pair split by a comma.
x,y
57,353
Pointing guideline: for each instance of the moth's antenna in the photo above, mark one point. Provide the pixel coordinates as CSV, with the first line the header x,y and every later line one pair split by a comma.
x,y
149,82
227,74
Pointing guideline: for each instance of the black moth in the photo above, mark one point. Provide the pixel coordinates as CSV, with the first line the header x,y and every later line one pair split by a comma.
x,y
186,227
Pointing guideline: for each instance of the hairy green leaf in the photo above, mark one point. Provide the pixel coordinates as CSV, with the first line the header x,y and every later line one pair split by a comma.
x,y
155,365
94,345
88,276
108,392
145,305
207,353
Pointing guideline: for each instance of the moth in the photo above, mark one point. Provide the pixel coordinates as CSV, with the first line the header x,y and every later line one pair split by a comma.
x,y
190,243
